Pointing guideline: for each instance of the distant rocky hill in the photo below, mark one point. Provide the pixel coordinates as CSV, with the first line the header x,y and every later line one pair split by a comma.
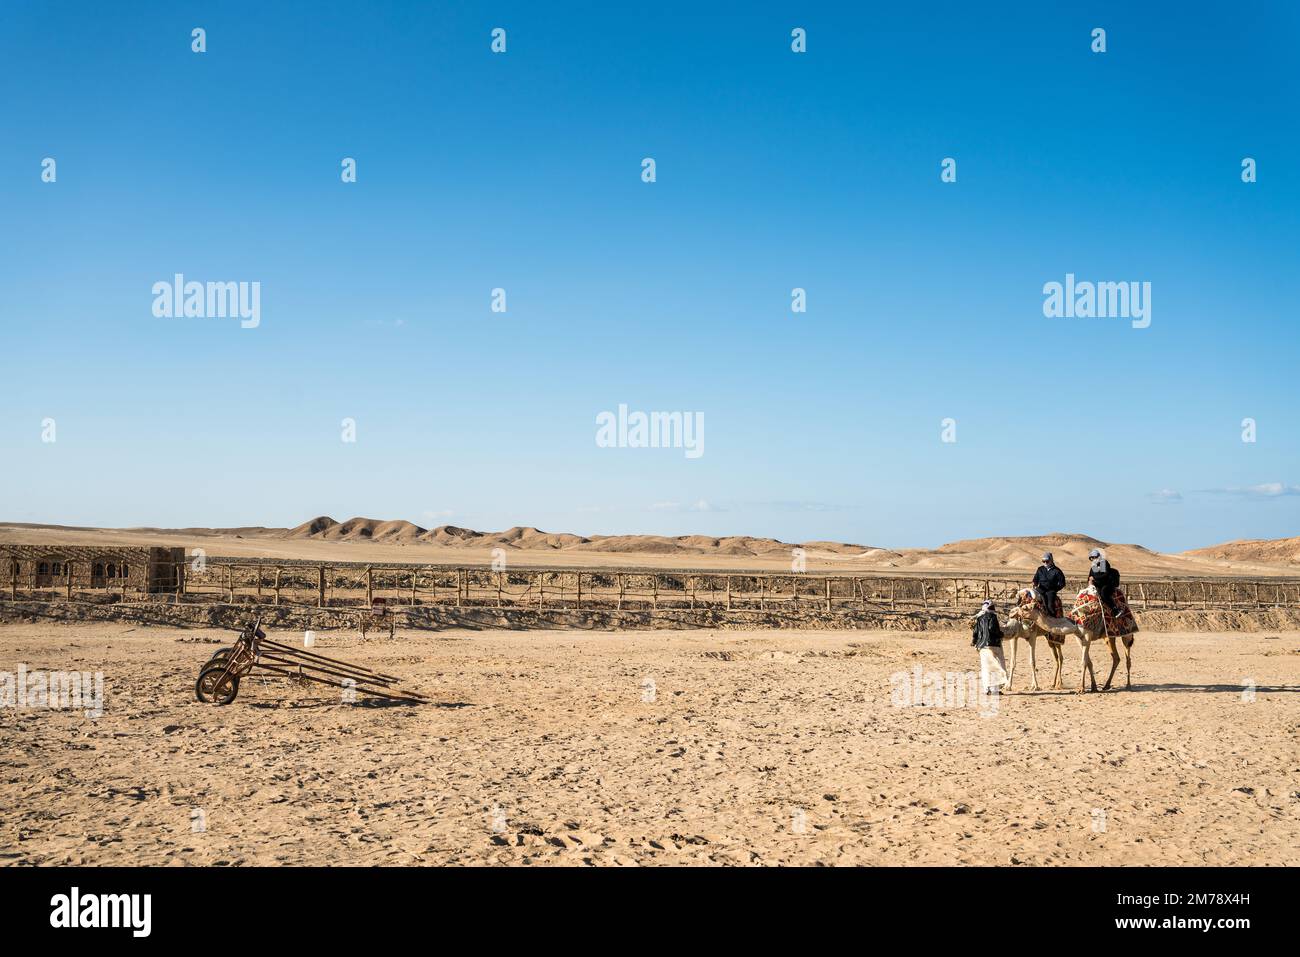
x,y
370,529
1270,550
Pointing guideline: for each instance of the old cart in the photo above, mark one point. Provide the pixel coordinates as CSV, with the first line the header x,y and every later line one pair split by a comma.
x,y
254,653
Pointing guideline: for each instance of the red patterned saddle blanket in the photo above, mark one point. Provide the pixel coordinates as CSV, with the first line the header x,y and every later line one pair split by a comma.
x,y
1030,596
1088,606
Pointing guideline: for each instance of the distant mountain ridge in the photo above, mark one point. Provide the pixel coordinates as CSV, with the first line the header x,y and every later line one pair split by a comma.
x,y
527,537
1009,554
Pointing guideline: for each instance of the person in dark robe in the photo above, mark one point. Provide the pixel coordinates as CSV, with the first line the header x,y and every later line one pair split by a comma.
x,y
1048,581
986,635
1105,578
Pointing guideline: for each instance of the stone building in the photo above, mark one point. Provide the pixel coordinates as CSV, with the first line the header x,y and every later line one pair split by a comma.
x,y
138,569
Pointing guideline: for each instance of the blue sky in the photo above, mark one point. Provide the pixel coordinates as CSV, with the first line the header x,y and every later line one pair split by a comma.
x,y
775,170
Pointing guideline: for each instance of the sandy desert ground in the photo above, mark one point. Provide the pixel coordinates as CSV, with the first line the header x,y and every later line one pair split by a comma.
x,y
757,748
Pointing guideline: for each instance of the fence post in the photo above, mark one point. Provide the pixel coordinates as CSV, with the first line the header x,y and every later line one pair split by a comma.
x,y
320,587
277,584
67,570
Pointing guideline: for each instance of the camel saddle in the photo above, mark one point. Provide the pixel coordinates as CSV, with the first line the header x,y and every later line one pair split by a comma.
x,y
1088,606
1030,596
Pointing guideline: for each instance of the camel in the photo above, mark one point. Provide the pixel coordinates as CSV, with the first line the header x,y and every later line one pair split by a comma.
x,y
1022,626
1061,628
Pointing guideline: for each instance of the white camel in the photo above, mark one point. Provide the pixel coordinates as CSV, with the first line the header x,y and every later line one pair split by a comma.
x,y
1023,626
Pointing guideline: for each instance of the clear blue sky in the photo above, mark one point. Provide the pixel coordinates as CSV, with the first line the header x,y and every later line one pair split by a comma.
x,y
775,170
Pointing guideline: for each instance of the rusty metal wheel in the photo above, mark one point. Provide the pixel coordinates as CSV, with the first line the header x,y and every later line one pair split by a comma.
x,y
215,684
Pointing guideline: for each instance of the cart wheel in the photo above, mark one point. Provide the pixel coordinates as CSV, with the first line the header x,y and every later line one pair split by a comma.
x,y
222,653
215,684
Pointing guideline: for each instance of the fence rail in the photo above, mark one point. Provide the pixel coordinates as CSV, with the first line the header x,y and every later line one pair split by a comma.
x,y
360,586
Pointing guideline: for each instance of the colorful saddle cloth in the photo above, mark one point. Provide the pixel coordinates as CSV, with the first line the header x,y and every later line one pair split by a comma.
x,y
1030,597
1088,606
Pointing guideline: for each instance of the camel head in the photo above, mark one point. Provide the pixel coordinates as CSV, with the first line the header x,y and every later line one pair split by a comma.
x,y
1026,602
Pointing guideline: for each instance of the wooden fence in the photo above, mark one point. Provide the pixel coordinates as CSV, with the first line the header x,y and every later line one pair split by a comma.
x,y
363,586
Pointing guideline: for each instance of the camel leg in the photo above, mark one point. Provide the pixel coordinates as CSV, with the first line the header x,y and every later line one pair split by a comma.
x,y
1057,684
1086,668
1011,675
1033,662
1114,660
1128,661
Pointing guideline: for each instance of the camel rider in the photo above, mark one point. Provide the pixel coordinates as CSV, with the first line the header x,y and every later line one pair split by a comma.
x,y
1049,580
1104,578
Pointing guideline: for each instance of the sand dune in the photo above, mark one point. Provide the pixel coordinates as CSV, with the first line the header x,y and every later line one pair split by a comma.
x,y
1254,550
376,540
324,528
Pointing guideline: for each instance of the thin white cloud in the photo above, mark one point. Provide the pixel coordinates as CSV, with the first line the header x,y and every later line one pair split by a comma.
x,y
799,506
1266,490
700,505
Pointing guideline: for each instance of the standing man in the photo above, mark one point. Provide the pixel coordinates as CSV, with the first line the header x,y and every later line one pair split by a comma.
x,y
1048,581
1105,578
986,635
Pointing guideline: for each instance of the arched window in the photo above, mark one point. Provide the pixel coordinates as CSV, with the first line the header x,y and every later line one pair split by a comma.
x,y
56,569
125,571
42,568
112,570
